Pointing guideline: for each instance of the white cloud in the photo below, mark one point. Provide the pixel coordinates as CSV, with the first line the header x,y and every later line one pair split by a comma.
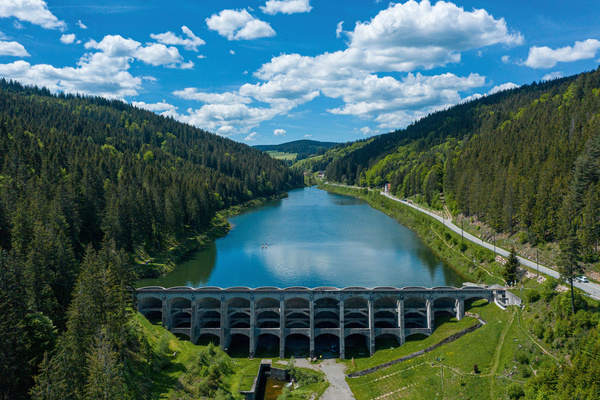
x,y
366,131
307,136
13,49
96,74
232,52
545,57
81,25
339,29
251,137
190,43
3,36
213,98
505,59
33,11
273,7
102,73
153,53
239,25
503,87
228,119
401,38
154,107
553,75
68,38
279,132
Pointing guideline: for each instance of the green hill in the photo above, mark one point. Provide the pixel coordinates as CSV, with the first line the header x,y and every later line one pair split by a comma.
x,y
301,148
87,185
524,160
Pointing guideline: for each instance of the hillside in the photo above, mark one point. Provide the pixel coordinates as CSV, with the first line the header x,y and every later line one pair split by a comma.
x,y
302,148
86,185
524,160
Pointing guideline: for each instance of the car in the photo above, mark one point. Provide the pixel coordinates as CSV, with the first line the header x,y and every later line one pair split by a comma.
x,y
583,279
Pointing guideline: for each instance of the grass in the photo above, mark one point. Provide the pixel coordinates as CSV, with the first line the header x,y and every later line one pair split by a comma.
x,y
491,347
279,155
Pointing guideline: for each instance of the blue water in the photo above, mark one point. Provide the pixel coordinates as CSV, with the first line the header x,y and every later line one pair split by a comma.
x,y
314,238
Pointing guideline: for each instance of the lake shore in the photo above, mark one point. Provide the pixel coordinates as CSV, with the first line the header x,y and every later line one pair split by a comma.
x,y
167,260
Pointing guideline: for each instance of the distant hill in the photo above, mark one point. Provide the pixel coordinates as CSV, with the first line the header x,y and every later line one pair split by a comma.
x,y
302,148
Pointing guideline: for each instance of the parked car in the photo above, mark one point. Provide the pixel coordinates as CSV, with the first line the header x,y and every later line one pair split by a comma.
x,y
582,279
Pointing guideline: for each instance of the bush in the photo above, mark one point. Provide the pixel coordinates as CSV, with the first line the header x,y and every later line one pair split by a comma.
x,y
515,391
522,357
463,247
531,296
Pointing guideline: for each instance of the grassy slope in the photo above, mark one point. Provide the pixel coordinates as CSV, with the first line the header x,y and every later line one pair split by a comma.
x,y
493,347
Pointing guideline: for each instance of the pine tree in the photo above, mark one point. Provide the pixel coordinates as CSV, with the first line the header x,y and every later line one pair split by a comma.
x,y
569,262
511,267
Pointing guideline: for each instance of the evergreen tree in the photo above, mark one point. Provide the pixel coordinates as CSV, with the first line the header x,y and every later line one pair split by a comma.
x,y
569,262
511,268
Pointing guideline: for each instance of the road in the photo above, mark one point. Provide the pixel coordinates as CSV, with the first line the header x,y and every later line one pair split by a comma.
x,y
590,288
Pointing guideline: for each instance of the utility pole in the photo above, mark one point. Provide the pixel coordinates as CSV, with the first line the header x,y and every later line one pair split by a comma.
x,y
461,230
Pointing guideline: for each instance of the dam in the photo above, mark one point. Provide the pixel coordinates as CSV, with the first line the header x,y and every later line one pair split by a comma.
x,y
325,314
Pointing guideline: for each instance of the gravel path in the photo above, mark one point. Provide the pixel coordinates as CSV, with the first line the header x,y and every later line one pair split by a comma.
x,y
335,372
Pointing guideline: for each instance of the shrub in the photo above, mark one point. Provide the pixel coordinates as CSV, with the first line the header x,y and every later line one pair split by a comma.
x,y
463,247
515,391
531,296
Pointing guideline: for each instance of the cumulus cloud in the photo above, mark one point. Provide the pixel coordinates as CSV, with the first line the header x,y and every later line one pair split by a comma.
x,y
213,98
503,87
251,137
33,11
279,132
96,74
81,25
401,38
104,72
366,131
153,53
239,25
68,38
13,49
553,75
273,7
227,119
545,57
191,42
161,106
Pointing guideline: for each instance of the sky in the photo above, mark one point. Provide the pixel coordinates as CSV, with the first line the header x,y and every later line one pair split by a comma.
x,y
274,71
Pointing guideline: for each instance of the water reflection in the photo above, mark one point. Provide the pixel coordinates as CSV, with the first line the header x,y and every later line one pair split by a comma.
x,y
312,241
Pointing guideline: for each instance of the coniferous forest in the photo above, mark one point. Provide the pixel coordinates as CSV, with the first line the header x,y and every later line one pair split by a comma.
x,y
86,184
524,160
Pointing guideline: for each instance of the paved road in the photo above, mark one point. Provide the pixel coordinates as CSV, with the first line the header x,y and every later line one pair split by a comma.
x,y
592,289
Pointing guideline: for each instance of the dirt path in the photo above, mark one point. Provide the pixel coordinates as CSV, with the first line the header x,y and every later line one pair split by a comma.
x,y
335,372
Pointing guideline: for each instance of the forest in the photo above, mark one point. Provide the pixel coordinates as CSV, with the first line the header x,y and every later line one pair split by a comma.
x,y
524,160
86,186
303,148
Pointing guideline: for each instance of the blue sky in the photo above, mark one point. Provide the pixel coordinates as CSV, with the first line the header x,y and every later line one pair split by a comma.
x,y
272,71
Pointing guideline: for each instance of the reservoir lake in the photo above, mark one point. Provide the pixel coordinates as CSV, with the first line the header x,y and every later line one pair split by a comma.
x,y
313,238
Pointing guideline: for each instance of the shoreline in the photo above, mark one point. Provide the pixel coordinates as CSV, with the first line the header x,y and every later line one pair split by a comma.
x,y
422,227
167,260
